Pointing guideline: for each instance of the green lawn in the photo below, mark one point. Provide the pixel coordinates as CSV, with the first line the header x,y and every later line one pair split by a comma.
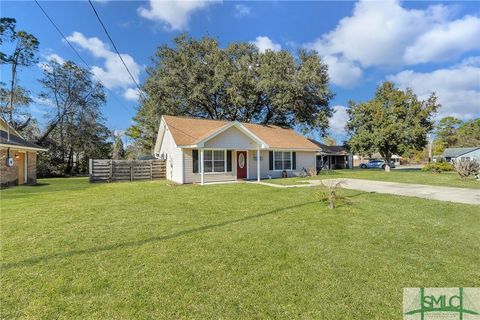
x,y
449,179
148,250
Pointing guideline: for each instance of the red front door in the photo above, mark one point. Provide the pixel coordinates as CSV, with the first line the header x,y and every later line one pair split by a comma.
x,y
241,164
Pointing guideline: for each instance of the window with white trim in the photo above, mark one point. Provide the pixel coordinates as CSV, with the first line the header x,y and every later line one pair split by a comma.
x,y
282,160
214,160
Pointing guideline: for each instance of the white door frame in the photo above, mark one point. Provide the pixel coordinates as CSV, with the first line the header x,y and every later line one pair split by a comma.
x,y
236,162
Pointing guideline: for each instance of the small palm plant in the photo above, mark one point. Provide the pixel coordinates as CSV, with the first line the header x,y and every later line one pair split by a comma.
x,y
329,191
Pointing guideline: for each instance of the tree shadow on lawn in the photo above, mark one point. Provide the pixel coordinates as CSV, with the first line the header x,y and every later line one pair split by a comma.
x,y
37,189
344,200
40,184
129,244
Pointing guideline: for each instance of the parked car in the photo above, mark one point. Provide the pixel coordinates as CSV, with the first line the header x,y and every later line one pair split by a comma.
x,y
376,164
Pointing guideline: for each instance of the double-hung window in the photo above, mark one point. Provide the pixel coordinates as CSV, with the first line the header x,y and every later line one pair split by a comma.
x,y
214,160
282,160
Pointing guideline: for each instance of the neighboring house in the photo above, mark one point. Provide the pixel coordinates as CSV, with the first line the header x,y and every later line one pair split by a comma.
x,y
333,157
201,150
18,157
452,154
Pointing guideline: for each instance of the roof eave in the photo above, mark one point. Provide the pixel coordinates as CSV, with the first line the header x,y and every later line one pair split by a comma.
x,y
16,146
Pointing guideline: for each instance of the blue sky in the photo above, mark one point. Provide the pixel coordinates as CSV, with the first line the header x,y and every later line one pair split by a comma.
x,y
427,46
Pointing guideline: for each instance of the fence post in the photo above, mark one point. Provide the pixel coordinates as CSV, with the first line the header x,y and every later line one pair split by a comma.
x,y
131,170
90,169
151,169
111,171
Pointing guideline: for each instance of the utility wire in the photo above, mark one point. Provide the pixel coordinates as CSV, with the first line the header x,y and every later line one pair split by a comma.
x,y
76,52
115,48
61,33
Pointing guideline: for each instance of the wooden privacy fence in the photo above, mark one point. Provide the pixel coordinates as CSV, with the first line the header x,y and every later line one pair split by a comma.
x,y
126,170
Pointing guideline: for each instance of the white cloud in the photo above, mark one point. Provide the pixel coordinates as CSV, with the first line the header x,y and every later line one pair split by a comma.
x,y
338,121
342,72
378,32
43,101
131,94
55,57
265,43
242,10
445,41
113,74
51,57
457,88
176,14
383,33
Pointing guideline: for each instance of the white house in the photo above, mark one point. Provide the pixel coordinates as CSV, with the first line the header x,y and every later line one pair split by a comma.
x,y
452,154
202,150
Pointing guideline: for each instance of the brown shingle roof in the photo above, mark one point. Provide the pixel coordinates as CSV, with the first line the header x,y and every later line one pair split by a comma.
x,y
332,150
189,131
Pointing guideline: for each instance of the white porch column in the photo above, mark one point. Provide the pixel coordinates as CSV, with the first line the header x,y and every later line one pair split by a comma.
x,y
258,163
202,173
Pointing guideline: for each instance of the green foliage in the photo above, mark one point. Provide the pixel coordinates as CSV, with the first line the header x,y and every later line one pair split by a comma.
x,y
438,167
451,132
25,44
20,100
468,134
445,132
197,78
75,131
393,122
25,47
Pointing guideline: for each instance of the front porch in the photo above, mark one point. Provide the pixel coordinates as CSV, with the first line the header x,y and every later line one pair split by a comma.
x,y
333,161
227,165
206,165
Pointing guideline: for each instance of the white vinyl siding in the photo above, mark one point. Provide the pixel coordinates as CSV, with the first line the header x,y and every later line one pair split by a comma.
x,y
305,159
173,156
191,177
232,138
475,154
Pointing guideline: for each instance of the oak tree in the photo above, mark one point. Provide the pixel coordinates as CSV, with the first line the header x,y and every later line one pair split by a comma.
x,y
198,78
393,122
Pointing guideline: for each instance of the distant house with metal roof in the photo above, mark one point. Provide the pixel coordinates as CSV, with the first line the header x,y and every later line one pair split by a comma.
x,y
18,157
452,154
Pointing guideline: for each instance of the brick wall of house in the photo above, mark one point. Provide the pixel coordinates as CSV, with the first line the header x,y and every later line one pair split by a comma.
x,y
9,175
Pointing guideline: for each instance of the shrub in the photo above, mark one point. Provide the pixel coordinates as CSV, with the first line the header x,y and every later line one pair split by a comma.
x,y
438,167
466,168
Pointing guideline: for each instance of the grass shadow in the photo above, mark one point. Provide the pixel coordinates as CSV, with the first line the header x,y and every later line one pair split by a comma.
x,y
129,244
343,200
40,184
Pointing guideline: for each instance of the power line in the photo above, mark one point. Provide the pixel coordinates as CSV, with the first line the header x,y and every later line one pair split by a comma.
x,y
115,48
76,52
61,33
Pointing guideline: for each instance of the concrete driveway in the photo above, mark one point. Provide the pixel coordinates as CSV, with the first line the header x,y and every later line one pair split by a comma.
x,y
460,195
